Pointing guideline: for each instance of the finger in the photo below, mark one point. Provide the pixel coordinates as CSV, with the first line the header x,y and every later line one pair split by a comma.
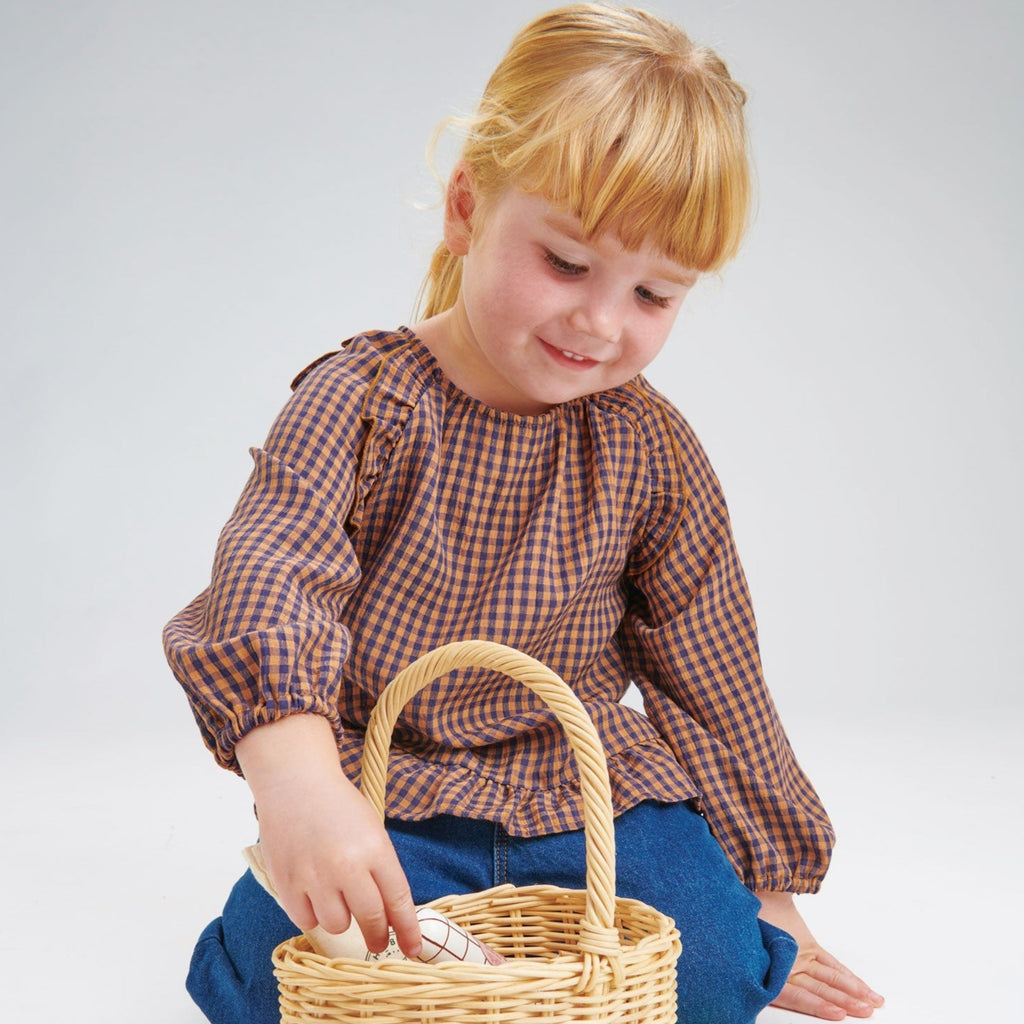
x,y
844,987
292,898
332,912
828,1001
299,910
365,905
801,1000
401,911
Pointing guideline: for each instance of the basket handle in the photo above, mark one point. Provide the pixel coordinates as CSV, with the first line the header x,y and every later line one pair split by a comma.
x,y
598,935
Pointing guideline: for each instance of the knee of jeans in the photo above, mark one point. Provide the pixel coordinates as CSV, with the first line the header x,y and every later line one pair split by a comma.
x,y
212,980
220,988
734,982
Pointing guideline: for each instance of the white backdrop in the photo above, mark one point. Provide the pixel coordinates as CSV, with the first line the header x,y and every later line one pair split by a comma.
x,y
197,198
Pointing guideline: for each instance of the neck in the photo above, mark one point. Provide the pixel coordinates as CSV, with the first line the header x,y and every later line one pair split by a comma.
x,y
450,341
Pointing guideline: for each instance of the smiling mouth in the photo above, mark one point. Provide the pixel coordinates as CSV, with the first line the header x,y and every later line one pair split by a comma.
x,y
567,354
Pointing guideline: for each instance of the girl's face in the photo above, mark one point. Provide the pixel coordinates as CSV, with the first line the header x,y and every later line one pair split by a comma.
x,y
543,316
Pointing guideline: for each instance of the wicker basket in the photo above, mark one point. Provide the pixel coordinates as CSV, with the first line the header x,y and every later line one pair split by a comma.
x,y
571,955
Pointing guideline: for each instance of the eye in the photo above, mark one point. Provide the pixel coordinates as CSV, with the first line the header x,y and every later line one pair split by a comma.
x,y
649,297
563,266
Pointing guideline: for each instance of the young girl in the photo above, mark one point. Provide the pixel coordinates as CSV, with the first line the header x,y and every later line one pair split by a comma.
x,y
503,471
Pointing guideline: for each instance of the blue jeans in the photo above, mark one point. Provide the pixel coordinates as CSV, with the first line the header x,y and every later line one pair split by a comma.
x,y
732,964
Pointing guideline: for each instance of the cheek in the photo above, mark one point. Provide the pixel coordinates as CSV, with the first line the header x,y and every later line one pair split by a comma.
x,y
523,302
649,342
501,292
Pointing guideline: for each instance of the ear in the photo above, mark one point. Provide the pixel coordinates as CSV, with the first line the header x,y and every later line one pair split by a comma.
x,y
459,204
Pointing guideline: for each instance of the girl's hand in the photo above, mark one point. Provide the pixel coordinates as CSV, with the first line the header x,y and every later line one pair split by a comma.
x,y
327,853
819,984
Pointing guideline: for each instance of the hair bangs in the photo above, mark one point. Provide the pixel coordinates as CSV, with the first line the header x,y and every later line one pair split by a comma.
x,y
670,171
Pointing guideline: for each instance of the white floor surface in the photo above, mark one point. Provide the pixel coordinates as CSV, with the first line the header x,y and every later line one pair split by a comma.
x,y
116,855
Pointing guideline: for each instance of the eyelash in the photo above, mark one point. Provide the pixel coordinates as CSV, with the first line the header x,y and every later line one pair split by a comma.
x,y
646,295
575,270
563,266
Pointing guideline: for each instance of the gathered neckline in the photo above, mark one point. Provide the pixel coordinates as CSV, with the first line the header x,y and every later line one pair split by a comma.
x,y
429,362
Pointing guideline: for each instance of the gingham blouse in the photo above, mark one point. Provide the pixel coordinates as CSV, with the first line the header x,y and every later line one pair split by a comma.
x,y
389,512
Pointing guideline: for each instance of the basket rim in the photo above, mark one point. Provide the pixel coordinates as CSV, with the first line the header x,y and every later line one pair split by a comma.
x,y
297,952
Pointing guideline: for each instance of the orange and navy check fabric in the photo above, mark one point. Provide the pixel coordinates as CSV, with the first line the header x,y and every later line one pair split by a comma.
x,y
388,513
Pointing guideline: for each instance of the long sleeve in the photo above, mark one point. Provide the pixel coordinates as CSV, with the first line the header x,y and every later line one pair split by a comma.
x,y
691,641
264,639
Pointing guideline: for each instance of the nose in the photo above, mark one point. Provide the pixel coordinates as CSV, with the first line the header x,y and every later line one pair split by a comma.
x,y
597,315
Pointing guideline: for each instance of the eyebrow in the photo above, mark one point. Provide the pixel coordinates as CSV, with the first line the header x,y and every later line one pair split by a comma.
x,y
564,224
671,272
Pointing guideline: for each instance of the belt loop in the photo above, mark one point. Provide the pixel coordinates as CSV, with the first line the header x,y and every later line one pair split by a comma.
x,y
500,855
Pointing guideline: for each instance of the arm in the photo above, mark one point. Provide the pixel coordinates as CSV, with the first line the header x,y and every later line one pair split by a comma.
x,y
326,850
691,635
819,984
261,655
691,641
266,638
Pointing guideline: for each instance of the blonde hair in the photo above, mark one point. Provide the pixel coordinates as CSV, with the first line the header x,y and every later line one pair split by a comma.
x,y
616,116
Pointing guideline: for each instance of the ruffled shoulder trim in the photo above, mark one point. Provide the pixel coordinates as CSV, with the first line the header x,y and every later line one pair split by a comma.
x,y
400,377
407,357
404,369
367,390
